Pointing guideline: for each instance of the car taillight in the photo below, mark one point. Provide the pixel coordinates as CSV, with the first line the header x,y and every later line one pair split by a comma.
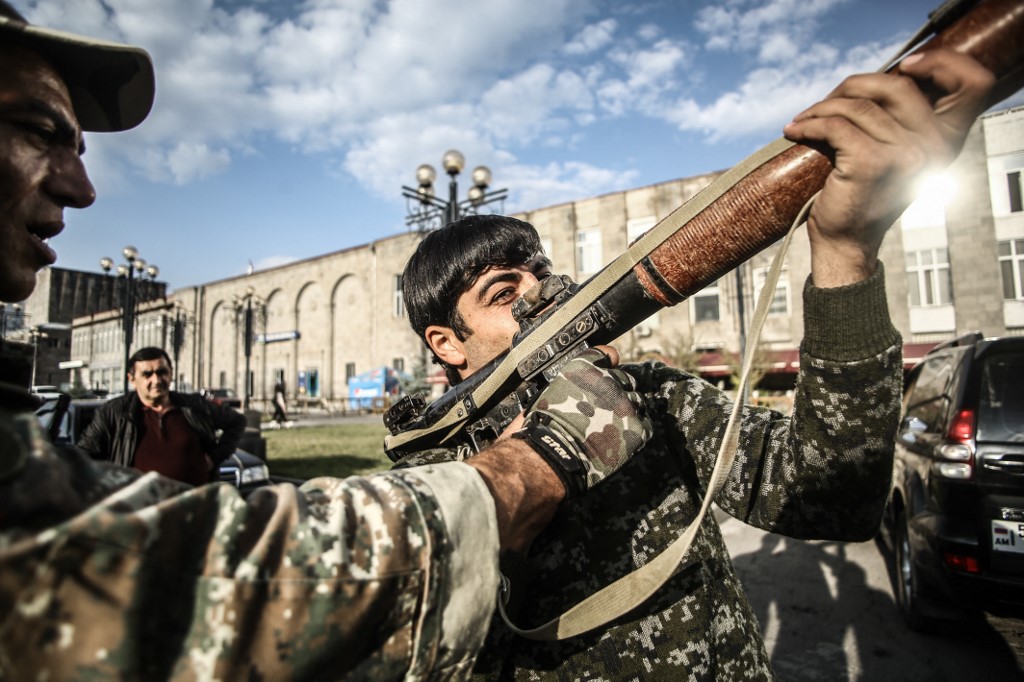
x,y
958,450
962,427
962,562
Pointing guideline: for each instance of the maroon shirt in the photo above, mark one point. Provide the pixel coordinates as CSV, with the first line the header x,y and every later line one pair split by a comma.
x,y
170,447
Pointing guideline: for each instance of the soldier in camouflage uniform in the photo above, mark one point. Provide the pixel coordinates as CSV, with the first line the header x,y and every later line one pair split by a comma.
x,y
823,473
107,573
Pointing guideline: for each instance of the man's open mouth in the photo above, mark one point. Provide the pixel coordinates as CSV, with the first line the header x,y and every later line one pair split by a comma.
x,y
44,230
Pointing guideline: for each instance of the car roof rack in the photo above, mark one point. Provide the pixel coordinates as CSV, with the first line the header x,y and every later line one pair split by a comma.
x,y
966,340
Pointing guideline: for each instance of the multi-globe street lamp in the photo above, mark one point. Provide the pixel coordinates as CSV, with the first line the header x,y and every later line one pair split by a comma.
x,y
427,211
131,273
249,310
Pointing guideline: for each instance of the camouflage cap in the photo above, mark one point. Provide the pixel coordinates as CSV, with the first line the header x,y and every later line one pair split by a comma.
x,y
111,85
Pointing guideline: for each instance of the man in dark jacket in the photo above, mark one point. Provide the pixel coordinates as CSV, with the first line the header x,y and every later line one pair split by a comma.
x,y
156,429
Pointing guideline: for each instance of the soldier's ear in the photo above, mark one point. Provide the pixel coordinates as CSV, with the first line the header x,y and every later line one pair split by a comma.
x,y
446,345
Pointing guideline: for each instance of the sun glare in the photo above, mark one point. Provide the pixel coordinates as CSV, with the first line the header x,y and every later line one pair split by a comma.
x,y
929,209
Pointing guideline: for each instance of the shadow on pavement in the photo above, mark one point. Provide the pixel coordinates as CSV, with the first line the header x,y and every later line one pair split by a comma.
x,y
823,619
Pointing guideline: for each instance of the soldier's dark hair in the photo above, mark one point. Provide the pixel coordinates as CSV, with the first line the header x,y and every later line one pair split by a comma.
x,y
449,260
148,353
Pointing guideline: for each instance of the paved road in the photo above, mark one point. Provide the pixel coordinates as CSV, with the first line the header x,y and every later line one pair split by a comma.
x,y
827,613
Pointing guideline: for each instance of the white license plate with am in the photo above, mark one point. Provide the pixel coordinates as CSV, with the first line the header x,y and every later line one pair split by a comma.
x,y
1008,536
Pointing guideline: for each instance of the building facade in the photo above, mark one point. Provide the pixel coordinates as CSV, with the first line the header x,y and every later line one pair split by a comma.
x,y
62,296
954,264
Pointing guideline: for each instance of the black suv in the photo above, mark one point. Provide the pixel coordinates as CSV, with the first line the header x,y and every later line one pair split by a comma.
x,y
956,513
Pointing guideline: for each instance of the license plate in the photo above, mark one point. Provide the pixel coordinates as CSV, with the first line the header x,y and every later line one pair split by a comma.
x,y
1008,536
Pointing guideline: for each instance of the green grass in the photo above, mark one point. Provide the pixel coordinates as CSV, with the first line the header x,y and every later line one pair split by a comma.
x,y
337,450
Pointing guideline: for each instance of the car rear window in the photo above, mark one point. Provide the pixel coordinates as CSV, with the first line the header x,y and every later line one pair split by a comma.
x,y
927,399
1001,404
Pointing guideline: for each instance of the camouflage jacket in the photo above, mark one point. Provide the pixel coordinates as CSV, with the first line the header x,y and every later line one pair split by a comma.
x,y
106,573
823,473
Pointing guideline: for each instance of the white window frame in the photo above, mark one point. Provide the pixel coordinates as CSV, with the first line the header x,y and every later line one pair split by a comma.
x,y
712,289
637,227
398,304
1014,191
588,252
780,301
1016,258
927,276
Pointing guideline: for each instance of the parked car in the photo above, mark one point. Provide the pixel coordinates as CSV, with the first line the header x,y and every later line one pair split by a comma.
x,y
242,469
223,396
955,519
45,392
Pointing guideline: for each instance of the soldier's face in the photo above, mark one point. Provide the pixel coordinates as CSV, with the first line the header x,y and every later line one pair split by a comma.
x,y
152,381
486,309
41,169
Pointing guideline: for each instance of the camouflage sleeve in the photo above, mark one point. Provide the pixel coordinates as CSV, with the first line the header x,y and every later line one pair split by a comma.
x,y
825,472
138,577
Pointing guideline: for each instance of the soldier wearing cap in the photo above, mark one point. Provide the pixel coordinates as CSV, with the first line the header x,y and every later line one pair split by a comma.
x,y
106,573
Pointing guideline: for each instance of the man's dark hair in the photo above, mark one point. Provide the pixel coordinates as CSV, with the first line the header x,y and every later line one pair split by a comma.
x,y
449,260
148,353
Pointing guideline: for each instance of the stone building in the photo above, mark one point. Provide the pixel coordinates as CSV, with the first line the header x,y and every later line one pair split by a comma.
x,y
97,341
954,264
60,297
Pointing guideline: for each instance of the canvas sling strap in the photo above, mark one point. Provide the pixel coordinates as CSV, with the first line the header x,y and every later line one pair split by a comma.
x,y
456,417
631,590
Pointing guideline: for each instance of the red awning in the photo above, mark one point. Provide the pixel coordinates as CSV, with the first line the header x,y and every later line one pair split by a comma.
x,y
714,364
719,364
914,352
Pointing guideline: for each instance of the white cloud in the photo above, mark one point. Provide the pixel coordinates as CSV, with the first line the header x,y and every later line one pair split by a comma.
x,y
742,26
531,102
644,76
270,262
556,183
592,38
379,87
189,161
326,74
769,97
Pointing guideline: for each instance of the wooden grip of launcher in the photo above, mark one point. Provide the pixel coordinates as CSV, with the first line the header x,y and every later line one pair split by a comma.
x,y
759,209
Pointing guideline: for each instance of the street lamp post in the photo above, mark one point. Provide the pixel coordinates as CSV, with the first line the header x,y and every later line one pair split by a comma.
x,y
35,334
178,324
130,272
248,307
427,211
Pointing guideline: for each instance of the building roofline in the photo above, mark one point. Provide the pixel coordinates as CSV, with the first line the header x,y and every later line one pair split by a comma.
x,y
294,263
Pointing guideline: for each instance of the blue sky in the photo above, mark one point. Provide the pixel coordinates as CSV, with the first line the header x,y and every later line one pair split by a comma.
x,y
284,130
